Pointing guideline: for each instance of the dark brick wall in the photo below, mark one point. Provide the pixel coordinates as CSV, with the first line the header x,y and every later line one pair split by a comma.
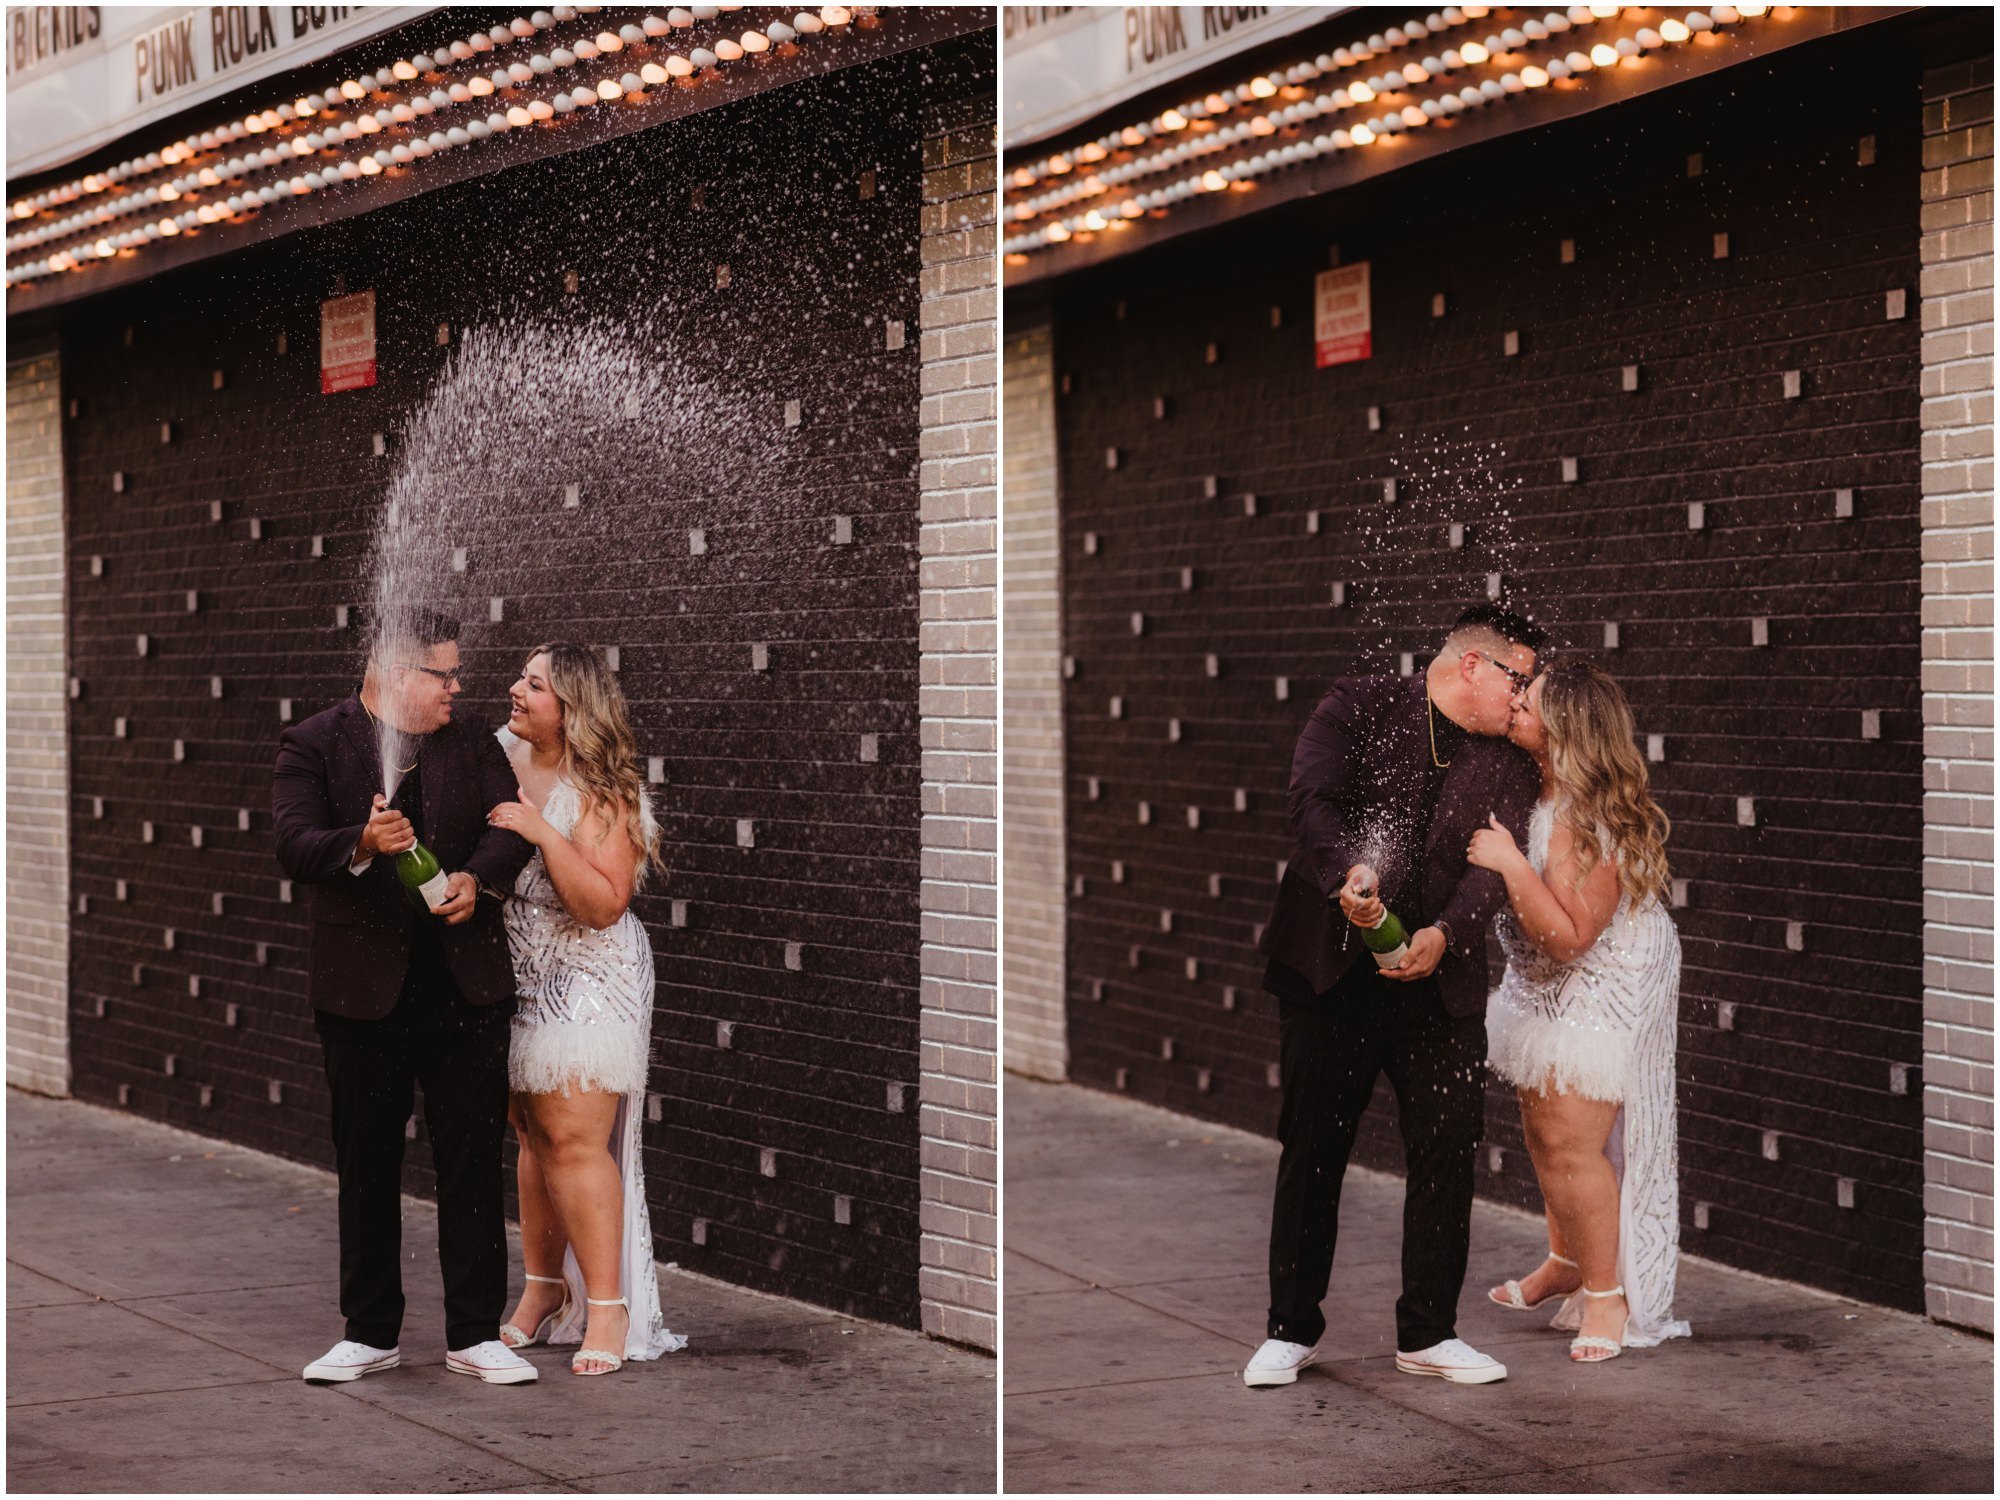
x,y
1798,1068
811,1096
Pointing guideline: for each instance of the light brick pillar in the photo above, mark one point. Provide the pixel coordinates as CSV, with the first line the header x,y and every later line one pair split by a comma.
x,y
959,1098
1957,302
1036,883
37,729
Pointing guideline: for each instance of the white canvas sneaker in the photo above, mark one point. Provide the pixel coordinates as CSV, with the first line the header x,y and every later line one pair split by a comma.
x,y
1453,1360
1278,1363
348,1360
493,1362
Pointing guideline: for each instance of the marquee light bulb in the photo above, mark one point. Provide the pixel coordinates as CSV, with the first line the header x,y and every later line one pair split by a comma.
x,y
1604,55
1173,119
835,15
607,88
1057,233
1751,11
519,117
1674,31
654,74
1360,93
609,41
404,69
1413,116
370,167
1214,181
727,50
1263,88
1605,12
808,23
755,41
352,90
681,67
480,85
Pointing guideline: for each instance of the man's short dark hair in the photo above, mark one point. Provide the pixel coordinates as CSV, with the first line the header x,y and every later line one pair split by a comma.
x,y
1505,623
415,629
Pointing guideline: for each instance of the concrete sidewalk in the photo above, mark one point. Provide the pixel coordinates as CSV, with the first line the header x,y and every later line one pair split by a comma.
x,y
1134,1292
164,1291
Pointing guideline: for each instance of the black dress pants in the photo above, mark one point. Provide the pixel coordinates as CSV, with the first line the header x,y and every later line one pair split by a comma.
x,y
1332,1047
458,1053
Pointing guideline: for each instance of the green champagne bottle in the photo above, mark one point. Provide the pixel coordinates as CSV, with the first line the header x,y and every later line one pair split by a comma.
x,y
1386,940
422,876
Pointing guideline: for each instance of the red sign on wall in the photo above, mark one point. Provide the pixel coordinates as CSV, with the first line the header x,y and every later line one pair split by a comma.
x,y
347,342
1342,324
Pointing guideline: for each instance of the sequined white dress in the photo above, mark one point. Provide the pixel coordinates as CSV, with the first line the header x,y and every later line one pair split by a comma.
x,y
1602,1026
584,1020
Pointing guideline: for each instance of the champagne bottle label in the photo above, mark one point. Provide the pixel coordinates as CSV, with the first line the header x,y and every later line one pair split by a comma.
x,y
433,890
1387,941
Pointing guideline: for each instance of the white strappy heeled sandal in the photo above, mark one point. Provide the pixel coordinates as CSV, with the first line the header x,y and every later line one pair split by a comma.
x,y
1508,1294
1594,1348
603,1356
520,1340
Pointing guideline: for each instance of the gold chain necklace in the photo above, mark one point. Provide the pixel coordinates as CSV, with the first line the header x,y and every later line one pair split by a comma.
x,y
1430,717
405,770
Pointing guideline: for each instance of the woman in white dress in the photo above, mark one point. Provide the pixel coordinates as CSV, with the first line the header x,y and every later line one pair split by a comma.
x,y
1582,1024
583,1029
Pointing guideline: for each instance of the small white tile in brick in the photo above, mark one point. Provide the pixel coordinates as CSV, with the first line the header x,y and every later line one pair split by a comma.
x,y
1211,486
1899,1078
460,557
263,962
656,769
1229,997
1725,1015
1864,151
746,833
1760,630
571,281
254,528
1895,305
1389,491
678,914
284,710
1510,342
1610,635
1271,1076
195,835
1213,354
97,811
1494,585
444,333
1495,1158
1843,1192
319,546
1455,536
340,616
1701,1216
1119,1081
218,380
1249,505
1795,384
144,644
1173,731
892,1097
1138,622
180,750
232,1015
725,1033
698,1231
1770,1145
496,609
118,482
75,688
1159,408
843,1208
1871,723
1212,665
1628,378
1843,504
892,334
1117,708
166,432
1569,471
795,956
871,748
1194,817
1110,458
1407,664
1187,580
1374,419
767,1161
634,404
1438,304
274,1091
284,344
1746,812
1090,544
721,276
1795,936
794,414
1721,247
1069,668
1166,1049
96,565
1241,799
1312,523
1283,688
1339,596
843,531
760,657
1567,253
1697,515
285,892
1656,748
380,443
1145,813
1093,788
121,727
697,541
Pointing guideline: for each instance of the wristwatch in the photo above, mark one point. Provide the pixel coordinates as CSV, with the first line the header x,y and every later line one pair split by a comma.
x,y
1445,928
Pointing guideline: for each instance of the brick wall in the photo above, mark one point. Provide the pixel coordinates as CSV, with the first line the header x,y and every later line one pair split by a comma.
x,y
959,1095
37,759
750,544
1957,302
1670,403
1033,691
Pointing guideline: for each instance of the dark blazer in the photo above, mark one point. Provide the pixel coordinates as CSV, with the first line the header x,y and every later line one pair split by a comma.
x,y
328,772
1360,771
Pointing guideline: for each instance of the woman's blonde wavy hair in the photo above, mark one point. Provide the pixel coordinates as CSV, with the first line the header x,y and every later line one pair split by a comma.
x,y
1602,787
599,755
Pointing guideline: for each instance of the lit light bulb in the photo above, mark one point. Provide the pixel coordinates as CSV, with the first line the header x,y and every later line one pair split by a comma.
x,y
370,167
1698,20
1604,55
542,109
682,67
1413,116
1095,220
1263,88
727,50
1057,233
607,88
1414,73
519,117
352,90
404,69
1360,93
755,41
1363,135
1605,12
1750,12
1674,31
653,73
609,41
1214,181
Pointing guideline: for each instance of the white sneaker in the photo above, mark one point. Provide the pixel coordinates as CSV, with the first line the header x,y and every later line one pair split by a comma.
x,y
348,1360
493,1362
1278,1363
1453,1360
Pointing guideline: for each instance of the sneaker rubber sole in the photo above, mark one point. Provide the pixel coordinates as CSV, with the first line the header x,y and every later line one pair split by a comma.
x,y
1257,1379
332,1375
491,1376
1456,1374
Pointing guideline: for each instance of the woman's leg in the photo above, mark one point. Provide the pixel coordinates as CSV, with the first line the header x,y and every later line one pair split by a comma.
x,y
572,1142
542,1237
1566,1139
1550,1278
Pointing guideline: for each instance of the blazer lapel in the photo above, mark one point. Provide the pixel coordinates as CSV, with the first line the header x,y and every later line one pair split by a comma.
x,y
434,776
359,732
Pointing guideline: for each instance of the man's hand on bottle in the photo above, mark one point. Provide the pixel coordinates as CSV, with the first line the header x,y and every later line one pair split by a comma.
x,y
1361,897
386,832
461,893
1426,952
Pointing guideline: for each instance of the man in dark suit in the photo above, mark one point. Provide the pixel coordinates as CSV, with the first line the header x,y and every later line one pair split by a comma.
x,y
1389,781
402,997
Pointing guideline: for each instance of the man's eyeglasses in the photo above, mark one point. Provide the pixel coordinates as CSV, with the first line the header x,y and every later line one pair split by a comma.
x,y
1519,679
451,674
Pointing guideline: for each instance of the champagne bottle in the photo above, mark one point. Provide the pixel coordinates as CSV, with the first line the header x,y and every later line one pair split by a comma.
x,y
1387,939
422,876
